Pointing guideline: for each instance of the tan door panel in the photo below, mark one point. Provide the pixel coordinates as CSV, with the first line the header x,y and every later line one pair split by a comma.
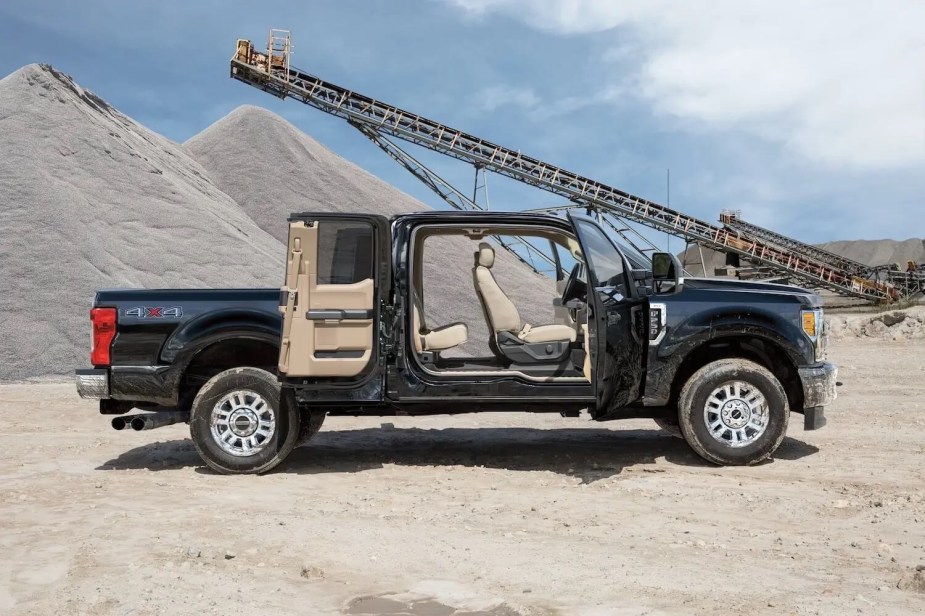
x,y
298,331
343,335
356,296
308,343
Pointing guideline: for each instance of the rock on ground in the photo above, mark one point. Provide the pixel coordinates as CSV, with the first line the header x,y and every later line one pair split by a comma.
x,y
905,324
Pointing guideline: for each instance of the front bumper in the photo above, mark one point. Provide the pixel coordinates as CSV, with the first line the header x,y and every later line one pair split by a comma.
x,y
819,391
92,383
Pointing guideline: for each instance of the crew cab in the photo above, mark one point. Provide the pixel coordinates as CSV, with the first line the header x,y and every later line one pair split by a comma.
x,y
721,363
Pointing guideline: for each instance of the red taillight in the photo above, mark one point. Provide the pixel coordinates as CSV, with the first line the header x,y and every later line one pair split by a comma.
x,y
104,330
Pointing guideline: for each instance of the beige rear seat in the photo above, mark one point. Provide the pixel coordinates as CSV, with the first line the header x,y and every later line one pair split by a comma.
x,y
439,339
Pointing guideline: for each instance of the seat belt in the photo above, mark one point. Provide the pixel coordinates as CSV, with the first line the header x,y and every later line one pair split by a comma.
x,y
292,278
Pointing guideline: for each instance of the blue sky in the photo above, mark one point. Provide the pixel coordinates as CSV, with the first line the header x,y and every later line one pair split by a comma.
x,y
809,117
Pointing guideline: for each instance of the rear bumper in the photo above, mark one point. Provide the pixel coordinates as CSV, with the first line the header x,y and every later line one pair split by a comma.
x,y
819,391
92,383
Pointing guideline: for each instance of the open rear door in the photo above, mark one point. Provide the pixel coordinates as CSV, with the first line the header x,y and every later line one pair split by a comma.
x,y
337,269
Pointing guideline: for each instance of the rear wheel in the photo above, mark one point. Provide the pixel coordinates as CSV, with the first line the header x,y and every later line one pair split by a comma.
x,y
238,424
733,412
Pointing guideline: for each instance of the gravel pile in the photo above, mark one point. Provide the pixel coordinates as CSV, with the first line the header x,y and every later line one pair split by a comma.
x,y
90,199
879,252
273,169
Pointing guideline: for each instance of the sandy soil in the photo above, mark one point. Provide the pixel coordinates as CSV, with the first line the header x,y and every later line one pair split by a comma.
x,y
495,514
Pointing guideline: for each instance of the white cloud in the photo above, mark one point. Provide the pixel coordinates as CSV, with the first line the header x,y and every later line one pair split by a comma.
x,y
841,83
493,97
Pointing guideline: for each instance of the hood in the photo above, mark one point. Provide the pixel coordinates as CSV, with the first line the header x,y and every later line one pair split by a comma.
x,y
806,297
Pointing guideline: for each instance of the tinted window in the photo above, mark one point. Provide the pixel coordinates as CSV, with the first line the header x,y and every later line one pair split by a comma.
x,y
602,256
636,258
345,252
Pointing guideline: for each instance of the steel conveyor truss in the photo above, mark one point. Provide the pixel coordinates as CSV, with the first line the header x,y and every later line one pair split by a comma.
x,y
272,72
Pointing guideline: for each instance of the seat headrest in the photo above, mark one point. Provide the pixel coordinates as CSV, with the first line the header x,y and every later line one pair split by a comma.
x,y
486,255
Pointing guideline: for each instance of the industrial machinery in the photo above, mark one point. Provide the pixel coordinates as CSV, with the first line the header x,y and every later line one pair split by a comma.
x,y
272,72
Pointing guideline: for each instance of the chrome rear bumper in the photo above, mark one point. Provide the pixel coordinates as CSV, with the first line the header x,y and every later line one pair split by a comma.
x,y
92,383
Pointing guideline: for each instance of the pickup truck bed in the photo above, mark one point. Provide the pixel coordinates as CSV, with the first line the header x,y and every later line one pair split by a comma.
x,y
168,342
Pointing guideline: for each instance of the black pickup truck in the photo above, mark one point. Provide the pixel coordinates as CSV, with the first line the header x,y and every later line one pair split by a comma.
x,y
255,371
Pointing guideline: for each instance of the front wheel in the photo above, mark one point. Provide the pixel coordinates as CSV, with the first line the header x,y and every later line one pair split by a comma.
x,y
238,424
671,427
733,412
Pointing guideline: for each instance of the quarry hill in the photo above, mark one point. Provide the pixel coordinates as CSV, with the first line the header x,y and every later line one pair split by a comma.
x,y
91,199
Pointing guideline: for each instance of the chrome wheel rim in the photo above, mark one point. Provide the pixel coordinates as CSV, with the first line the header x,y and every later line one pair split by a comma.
x,y
242,423
736,414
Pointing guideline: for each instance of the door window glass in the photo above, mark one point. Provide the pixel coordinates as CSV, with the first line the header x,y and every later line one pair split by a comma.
x,y
603,257
345,252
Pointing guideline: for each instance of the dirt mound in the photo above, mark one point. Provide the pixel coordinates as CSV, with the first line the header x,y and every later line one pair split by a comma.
x,y
879,252
908,324
273,169
90,199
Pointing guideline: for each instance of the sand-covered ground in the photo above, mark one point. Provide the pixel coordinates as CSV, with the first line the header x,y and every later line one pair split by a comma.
x,y
494,514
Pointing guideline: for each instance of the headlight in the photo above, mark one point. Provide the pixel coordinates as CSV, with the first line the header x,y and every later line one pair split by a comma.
x,y
813,326
809,323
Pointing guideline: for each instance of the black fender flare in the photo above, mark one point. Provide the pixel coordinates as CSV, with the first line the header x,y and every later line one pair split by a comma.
x,y
217,326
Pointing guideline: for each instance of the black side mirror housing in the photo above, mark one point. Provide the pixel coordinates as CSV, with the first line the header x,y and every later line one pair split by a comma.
x,y
666,271
665,266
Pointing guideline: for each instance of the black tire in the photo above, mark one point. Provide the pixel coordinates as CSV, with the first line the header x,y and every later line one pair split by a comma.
x,y
692,415
671,427
272,450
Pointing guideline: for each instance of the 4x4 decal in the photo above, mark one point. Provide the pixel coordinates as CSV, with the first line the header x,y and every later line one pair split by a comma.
x,y
154,312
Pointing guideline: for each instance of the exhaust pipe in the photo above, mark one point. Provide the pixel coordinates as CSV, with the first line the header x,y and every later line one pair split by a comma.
x,y
121,423
150,421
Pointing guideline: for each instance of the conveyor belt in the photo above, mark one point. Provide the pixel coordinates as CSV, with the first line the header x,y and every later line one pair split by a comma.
x,y
273,73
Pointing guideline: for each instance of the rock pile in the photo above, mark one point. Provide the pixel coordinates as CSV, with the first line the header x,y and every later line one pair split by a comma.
x,y
908,324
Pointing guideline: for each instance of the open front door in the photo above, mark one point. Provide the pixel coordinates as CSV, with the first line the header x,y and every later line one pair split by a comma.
x,y
336,272
616,344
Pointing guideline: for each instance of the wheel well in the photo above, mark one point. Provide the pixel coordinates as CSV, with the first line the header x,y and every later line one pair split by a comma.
x,y
758,350
221,356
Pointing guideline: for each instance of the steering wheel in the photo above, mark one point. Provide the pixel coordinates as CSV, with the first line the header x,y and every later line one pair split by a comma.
x,y
575,287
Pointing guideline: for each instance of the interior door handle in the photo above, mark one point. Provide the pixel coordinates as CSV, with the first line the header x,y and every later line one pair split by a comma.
x,y
324,314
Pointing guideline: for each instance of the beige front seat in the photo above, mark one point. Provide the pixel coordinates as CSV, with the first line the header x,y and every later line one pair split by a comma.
x,y
439,339
501,311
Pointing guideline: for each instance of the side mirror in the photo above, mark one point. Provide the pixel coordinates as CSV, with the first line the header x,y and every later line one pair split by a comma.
x,y
666,270
665,266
